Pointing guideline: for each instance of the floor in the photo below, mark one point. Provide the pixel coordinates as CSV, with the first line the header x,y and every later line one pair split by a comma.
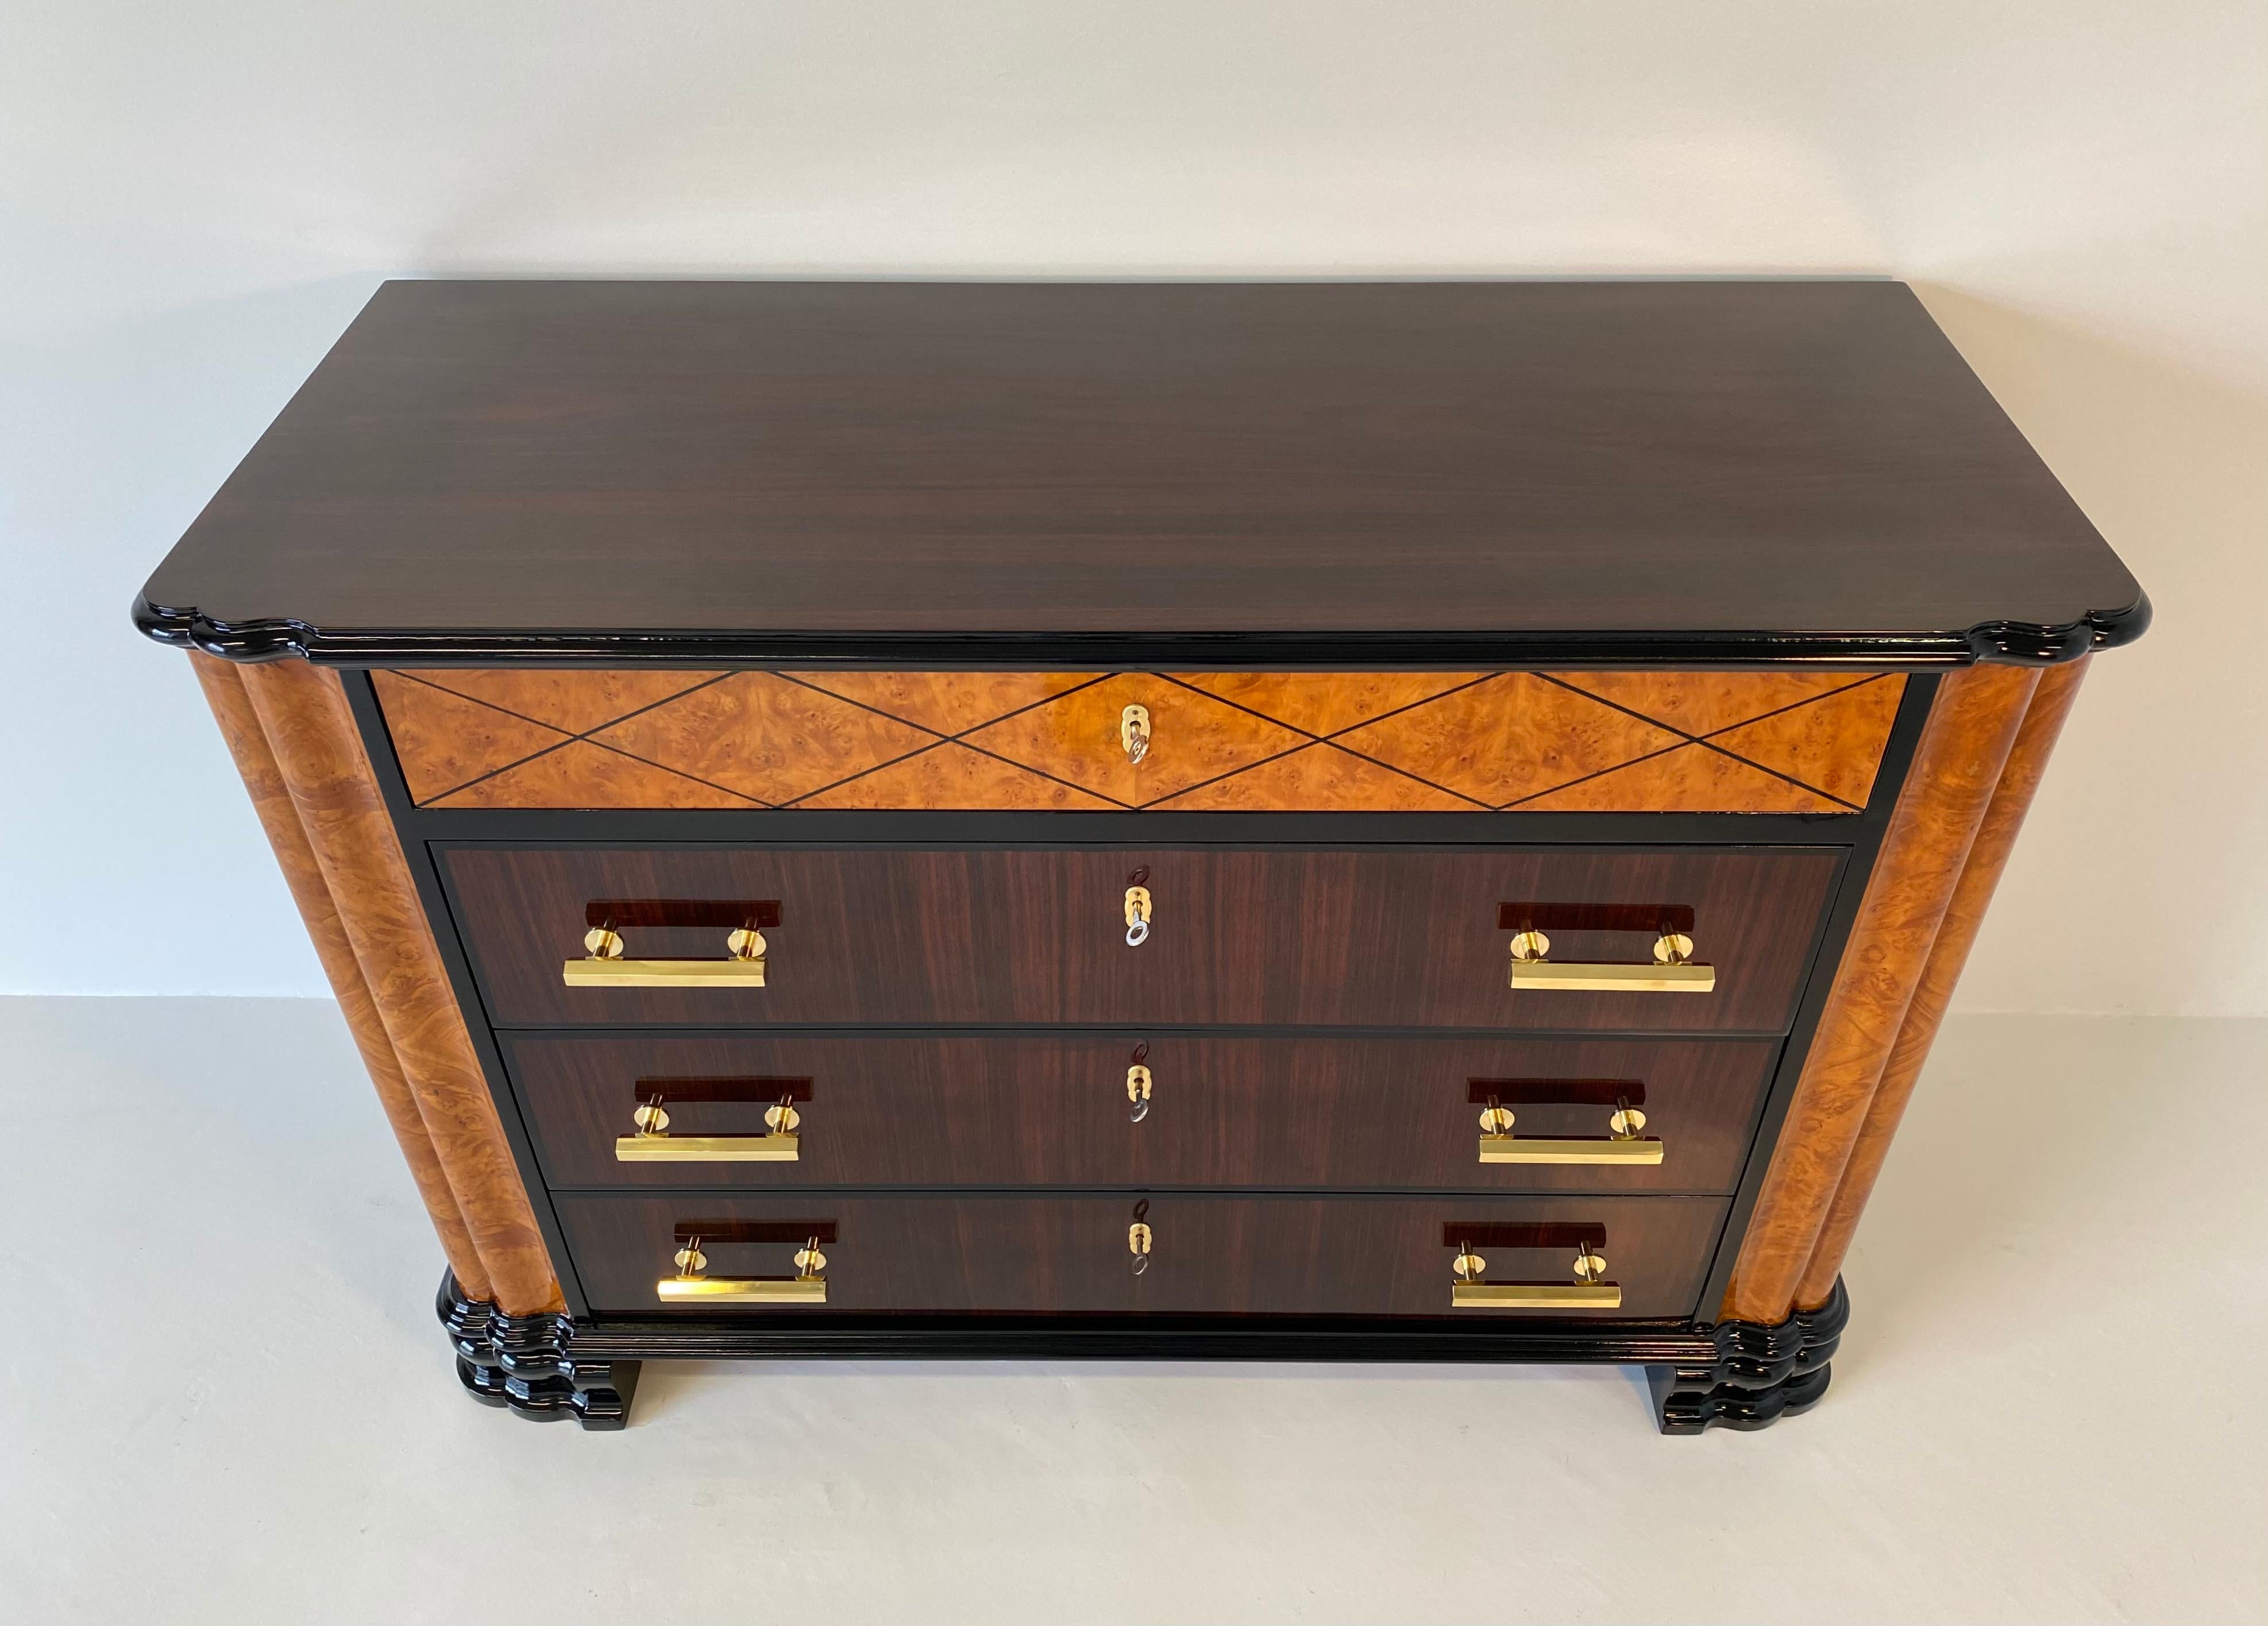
x,y
226,1400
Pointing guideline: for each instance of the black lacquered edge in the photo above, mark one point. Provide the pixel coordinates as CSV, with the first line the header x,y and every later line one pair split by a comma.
x,y
2006,641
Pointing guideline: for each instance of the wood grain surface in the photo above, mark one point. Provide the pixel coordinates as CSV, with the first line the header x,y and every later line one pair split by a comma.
x,y
1753,742
1210,1253
989,461
1048,1110
1956,769
1021,936
304,715
248,743
1988,855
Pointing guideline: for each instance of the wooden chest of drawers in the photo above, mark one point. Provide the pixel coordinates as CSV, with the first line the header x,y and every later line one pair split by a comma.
x,y
1422,821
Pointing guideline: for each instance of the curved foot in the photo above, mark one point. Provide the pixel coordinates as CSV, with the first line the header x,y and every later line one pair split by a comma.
x,y
1759,1374
524,1362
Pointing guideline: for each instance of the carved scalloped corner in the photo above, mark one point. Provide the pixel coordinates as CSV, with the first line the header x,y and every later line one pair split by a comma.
x,y
2027,644
526,1363
1759,1375
161,625
248,642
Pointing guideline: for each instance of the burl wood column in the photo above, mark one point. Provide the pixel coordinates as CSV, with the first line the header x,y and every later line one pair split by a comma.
x,y
1956,771
294,740
1988,855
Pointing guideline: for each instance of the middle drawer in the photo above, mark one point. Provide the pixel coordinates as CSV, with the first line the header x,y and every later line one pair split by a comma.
x,y
1214,1111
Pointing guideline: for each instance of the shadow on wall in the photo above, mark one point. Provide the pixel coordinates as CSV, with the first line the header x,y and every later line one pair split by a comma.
x,y
2140,878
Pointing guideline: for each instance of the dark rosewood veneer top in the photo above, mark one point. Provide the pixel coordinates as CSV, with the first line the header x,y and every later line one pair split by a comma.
x,y
1145,475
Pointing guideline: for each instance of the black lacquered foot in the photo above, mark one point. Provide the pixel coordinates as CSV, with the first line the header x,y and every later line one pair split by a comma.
x,y
525,1362
1758,1374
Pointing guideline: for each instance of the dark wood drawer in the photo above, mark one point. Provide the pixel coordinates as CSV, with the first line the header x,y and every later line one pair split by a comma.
x,y
1225,1255
1053,1109
1021,936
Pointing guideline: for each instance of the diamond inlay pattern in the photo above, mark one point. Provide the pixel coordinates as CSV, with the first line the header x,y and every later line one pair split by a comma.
x,y
1336,701
1611,741
1511,736
946,702
573,702
766,737
1075,736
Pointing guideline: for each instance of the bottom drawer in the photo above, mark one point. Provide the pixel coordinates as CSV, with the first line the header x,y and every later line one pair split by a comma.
x,y
1346,1255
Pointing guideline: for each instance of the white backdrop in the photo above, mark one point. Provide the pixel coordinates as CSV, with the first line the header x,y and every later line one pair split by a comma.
x,y
194,200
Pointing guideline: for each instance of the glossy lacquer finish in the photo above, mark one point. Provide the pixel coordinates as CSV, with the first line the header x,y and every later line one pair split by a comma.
x,y
1053,1109
1016,936
1209,1254
766,471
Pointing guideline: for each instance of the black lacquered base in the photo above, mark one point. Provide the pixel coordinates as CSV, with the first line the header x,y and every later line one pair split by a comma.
x,y
1756,1375
522,1362
1735,1374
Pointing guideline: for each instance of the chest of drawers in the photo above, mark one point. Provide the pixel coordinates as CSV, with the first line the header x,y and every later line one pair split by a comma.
x,y
1417,821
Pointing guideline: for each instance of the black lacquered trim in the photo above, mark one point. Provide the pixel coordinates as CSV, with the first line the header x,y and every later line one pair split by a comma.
x,y
2020,643
1735,1373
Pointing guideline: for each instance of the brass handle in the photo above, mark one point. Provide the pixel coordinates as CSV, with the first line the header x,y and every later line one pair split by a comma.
x,y
654,1143
1134,732
1670,971
1588,1290
808,1285
1138,1092
1622,1146
604,966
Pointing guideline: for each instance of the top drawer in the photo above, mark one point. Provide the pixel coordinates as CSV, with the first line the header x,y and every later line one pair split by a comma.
x,y
1741,742
1402,937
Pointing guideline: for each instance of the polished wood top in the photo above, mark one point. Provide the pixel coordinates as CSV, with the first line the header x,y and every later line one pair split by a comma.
x,y
1114,475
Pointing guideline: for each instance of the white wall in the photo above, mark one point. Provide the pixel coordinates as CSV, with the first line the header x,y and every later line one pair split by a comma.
x,y
195,200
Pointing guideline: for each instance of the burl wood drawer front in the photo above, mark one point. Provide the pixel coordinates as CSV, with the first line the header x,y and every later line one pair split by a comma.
x,y
1057,1109
1019,937
1223,1254
1377,741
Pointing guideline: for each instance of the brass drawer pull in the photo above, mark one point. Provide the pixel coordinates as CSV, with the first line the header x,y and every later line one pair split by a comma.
x,y
1621,1145
1134,732
1587,1290
605,966
808,1285
1138,1084
654,1143
1672,970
